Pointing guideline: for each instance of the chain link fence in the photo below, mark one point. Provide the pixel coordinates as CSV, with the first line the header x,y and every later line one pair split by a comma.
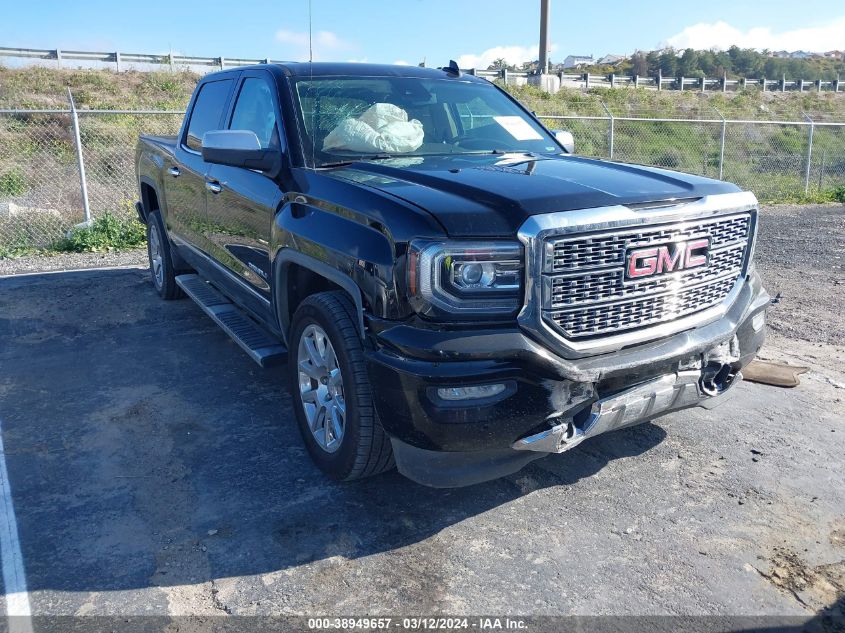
x,y
39,178
777,160
40,184
108,149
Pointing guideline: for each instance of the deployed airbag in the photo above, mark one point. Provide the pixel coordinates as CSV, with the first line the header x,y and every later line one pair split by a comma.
x,y
384,127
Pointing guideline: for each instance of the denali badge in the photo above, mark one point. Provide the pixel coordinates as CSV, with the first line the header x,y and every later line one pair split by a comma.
x,y
667,258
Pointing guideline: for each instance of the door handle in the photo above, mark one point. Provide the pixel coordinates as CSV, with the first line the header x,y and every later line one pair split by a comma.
x,y
174,171
213,187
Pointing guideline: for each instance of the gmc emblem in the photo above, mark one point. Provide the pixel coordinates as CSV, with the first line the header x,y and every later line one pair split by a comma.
x,y
657,260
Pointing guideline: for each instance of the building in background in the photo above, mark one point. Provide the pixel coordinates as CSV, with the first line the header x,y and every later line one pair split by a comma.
x,y
612,60
574,61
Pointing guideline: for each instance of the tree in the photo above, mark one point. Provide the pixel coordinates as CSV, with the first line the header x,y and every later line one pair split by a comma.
x,y
736,62
689,64
669,62
652,58
639,63
498,64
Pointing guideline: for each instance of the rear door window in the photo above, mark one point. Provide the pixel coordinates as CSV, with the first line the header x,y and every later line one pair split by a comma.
x,y
207,112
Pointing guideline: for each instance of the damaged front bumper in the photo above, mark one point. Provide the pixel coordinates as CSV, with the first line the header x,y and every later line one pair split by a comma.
x,y
656,397
549,404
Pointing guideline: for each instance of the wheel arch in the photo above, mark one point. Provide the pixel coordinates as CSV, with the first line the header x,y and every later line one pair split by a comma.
x,y
297,276
152,201
150,198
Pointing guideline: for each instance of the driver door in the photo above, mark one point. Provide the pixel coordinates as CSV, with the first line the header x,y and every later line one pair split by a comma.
x,y
242,202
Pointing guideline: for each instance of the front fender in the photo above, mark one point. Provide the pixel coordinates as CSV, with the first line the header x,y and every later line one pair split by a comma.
x,y
341,246
288,256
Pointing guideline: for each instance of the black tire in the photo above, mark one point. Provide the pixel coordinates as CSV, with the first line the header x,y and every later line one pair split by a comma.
x,y
364,449
161,264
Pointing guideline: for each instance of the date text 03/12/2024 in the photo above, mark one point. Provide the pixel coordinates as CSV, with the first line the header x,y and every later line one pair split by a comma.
x,y
418,623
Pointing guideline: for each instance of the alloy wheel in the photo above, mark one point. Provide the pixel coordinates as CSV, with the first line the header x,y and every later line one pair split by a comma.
x,y
156,260
321,388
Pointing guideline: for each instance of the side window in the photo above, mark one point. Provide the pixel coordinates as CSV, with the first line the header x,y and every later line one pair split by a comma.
x,y
207,111
254,111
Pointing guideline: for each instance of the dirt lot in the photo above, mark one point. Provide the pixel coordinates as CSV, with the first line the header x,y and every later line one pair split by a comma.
x,y
156,470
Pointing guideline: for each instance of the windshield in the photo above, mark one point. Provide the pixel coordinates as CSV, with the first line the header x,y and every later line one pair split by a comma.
x,y
345,118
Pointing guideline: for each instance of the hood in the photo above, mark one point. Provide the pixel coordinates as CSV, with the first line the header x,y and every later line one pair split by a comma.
x,y
489,195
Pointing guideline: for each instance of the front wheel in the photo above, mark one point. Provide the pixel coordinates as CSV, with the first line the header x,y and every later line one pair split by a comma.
x,y
333,399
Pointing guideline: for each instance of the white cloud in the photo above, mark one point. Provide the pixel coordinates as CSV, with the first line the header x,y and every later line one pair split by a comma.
x,y
326,45
401,62
722,35
512,54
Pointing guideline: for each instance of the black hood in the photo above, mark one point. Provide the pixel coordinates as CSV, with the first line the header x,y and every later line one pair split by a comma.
x,y
492,195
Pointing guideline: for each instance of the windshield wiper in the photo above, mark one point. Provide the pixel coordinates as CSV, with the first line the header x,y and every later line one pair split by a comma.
x,y
364,157
359,158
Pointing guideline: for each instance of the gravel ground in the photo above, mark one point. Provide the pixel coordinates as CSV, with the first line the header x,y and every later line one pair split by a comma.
x,y
156,470
72,261
801,255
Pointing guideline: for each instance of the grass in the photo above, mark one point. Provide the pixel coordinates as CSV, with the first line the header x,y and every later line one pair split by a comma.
x,y
750,103
12,183
41,87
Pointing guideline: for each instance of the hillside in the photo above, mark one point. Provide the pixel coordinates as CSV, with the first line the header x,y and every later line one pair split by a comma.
x,y
39,178
747,104
39,87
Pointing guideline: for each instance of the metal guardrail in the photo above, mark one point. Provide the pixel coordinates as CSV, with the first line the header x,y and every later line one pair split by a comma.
x,y
120,60
703,84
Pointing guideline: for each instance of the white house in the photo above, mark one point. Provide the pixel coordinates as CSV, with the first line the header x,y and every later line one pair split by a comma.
x,y
612,59
573,61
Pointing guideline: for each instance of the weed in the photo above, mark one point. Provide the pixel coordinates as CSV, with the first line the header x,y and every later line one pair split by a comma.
x,y
12,183
108,232
17,249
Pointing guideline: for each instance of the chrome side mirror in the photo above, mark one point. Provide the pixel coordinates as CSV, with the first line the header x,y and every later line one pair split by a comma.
x,y
565,138
238,148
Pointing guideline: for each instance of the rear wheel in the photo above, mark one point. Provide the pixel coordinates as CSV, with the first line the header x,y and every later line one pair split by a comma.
x,y
332,395
161,262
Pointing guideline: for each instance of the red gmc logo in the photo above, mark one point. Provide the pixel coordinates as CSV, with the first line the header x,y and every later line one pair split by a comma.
x,y
656,260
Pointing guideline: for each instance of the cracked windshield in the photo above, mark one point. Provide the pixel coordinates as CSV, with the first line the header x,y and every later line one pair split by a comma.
x,y
380,117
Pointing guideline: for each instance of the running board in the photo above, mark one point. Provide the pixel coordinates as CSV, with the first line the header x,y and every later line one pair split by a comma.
x,y
262,347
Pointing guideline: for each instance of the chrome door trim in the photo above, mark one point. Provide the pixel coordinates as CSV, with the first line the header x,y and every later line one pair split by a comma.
x,y
223,270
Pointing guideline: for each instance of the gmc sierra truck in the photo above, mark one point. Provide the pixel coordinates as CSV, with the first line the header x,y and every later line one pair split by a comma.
x,y
452,290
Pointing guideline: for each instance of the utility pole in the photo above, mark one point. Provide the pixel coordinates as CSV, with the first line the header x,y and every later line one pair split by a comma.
x,y
544,37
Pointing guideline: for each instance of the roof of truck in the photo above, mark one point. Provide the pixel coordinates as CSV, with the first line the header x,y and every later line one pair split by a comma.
x,y
353,69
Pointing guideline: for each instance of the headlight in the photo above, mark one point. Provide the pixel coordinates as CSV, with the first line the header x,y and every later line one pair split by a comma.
x,y
465,279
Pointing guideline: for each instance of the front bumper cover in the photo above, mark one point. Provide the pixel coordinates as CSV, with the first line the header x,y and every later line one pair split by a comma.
x,y
648,400
447,445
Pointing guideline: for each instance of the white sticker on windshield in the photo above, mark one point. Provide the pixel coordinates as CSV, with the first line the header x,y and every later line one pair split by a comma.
x,y
518,128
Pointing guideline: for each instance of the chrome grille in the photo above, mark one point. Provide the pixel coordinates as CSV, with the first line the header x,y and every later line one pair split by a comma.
x,y
604,285
617,317
585,292
608,249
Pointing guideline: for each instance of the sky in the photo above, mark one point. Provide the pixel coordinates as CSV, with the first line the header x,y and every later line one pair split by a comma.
x,y
473,32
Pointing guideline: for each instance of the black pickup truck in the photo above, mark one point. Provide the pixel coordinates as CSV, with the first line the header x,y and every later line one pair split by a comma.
x,y
454,292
